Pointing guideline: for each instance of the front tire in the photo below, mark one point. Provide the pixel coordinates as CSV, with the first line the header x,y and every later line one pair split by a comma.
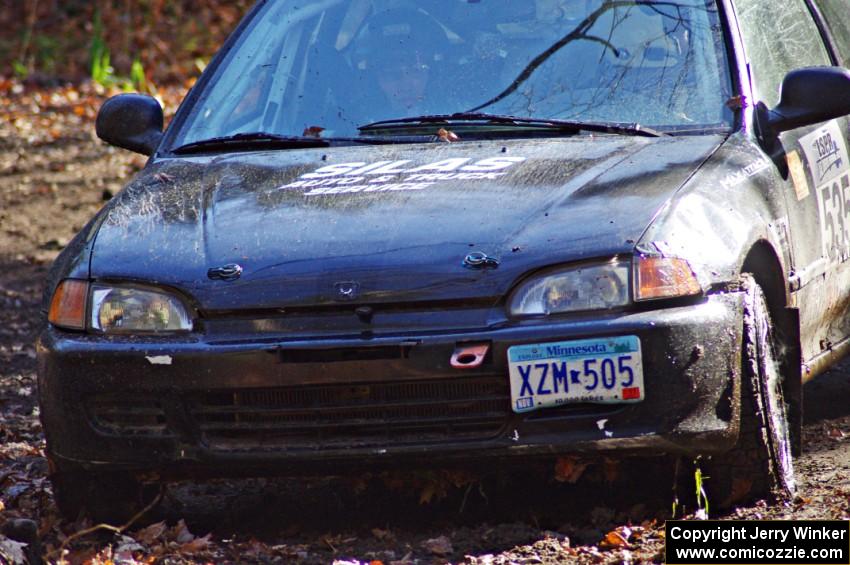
x,y
760,465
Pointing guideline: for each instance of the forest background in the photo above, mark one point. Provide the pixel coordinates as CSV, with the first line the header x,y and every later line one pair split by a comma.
x,y
134,44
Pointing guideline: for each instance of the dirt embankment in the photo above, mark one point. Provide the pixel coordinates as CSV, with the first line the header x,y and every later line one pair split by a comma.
x,y
54,175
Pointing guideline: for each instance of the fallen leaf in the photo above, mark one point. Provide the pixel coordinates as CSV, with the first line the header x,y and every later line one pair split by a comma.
x,y
382,534
736,102
614,539
180,533
447,136
152,533
12,550
569,469
126,544
438,546
255,548
197,545
164,177
406,560
313,131
431,491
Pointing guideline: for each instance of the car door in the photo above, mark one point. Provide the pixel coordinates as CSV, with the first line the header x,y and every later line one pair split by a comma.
x,y
813,162
833,17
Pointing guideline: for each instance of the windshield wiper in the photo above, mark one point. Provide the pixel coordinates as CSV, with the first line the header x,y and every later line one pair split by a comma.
x,y
251,140
485,119
265,140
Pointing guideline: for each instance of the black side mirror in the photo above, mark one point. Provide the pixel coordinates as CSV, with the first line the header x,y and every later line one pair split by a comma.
x,y
131,121
807,96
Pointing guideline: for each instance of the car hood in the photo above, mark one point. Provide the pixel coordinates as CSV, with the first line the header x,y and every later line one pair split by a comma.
x,y
379,224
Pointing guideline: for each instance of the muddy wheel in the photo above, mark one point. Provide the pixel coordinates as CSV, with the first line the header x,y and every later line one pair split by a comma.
x,y
112,498
760,465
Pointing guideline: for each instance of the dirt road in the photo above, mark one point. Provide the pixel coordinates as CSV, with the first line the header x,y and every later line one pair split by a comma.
x,y
54,176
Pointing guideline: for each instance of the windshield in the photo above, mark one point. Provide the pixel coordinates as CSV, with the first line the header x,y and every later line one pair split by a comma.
x,y
328,66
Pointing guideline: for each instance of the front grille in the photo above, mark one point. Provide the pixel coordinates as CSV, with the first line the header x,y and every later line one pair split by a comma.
x,y
359,415
122,415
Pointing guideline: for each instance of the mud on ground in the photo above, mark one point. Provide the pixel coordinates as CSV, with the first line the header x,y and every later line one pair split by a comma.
x,y
54,175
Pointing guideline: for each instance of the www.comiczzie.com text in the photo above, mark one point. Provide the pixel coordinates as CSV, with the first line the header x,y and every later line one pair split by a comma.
x,y
762,542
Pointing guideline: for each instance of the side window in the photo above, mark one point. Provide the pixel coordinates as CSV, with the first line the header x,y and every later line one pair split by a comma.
x,y
779,36
837,16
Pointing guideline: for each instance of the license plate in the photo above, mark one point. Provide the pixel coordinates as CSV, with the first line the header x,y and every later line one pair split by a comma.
x,y
607,370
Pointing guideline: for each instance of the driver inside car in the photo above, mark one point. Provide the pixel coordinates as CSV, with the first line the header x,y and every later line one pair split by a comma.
x,y
399,53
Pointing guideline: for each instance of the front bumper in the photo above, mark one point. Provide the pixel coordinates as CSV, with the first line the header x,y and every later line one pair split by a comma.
x,y
290,405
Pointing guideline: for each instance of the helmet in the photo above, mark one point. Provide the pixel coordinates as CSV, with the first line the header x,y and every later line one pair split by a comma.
x,y
402,36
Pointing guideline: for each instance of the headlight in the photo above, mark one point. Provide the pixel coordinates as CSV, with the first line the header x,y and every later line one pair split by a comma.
x,y
119,309
583,287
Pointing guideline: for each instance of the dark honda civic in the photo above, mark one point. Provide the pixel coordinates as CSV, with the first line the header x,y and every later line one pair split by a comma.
x,y
383,233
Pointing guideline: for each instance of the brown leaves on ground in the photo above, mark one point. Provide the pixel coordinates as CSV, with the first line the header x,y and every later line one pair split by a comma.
x,y
45,115
148,545
152,533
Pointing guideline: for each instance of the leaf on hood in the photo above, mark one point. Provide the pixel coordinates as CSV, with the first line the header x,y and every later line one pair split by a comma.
x,y
736,102
164,178
313,131
447,136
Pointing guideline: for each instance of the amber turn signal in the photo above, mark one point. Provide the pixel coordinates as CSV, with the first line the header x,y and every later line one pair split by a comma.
x,y
68,307
664,277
